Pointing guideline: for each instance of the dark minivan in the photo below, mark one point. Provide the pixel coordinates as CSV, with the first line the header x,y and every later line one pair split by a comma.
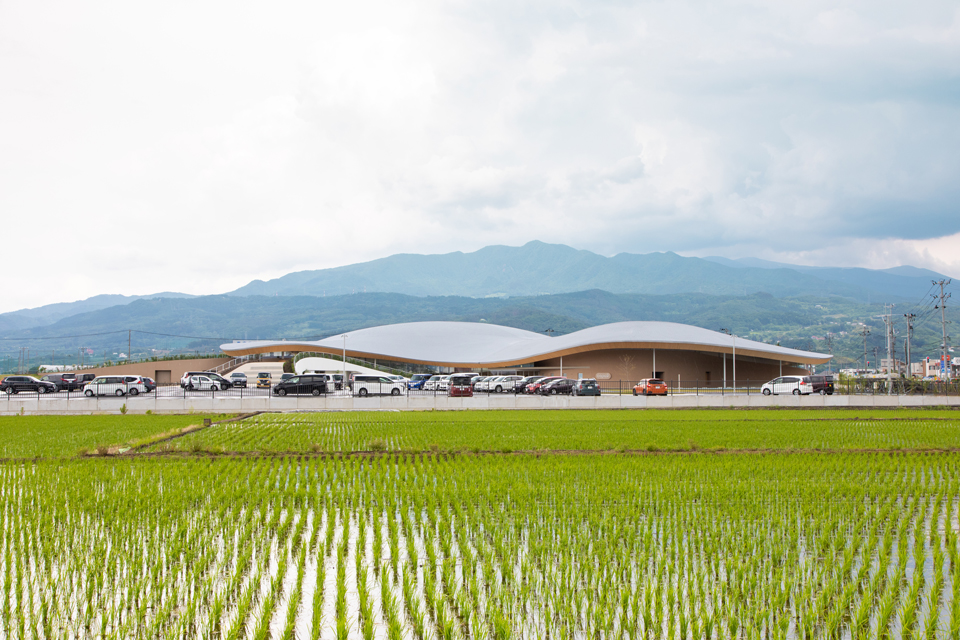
x,y
822,384
300,385
63,381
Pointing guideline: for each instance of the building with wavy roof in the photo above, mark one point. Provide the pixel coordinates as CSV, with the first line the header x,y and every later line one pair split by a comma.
x,y
618,351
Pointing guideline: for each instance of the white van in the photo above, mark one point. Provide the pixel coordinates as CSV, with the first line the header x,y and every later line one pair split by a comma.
x,y
377,385
114,386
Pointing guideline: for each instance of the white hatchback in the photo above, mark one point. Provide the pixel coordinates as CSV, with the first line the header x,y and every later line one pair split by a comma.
x,y
203,383
797,385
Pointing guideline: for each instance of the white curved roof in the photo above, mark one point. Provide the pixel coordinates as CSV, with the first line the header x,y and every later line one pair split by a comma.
x,y
473,343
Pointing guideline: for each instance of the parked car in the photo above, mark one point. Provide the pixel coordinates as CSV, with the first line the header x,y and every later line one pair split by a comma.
x,y
369,385
203,383
586,387
84,378
822,384
19,384
460,386
797,385
264,380
650,387
534,387
149,383
418,380
431,383
64,381
523,383
285,376
136,385
222,383
238,379
482,383
443,383
114,386
314,384
560,386
505,383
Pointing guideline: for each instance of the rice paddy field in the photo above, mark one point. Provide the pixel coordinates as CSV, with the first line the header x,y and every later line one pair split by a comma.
x,y
580,430
443,536
29,436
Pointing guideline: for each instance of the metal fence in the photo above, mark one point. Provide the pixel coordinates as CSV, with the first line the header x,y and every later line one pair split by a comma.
x,y
856,386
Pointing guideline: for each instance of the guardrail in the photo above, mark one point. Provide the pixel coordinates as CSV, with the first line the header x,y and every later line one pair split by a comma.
x,y
852,387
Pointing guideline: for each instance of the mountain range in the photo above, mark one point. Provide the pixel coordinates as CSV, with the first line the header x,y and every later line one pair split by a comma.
x,y
539,268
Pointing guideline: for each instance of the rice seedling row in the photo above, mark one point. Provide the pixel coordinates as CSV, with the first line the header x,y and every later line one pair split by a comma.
x,y
448,546
579,430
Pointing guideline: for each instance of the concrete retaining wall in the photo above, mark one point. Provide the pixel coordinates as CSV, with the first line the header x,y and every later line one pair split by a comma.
x,y
142,404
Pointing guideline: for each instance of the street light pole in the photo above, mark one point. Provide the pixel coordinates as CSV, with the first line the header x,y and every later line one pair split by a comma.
x,y
343,382
729,333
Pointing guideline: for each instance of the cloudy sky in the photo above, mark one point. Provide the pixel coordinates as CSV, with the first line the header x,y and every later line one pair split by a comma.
x,y
194,146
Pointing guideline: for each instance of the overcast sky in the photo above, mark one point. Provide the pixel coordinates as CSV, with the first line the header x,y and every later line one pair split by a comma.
x,y
195,146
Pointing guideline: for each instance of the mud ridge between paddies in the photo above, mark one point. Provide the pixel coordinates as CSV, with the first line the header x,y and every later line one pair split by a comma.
x,y
203,453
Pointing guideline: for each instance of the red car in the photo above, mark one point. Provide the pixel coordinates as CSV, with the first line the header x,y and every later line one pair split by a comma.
x,y
535,386
650,387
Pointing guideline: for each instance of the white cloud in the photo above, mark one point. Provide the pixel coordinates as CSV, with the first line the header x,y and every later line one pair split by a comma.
x,y
196,147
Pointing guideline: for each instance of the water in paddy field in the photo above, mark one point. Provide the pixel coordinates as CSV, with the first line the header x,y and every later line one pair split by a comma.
x,y
579,547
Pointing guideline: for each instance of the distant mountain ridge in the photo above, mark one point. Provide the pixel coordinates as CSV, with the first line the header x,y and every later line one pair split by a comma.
x,y
51,313
539,268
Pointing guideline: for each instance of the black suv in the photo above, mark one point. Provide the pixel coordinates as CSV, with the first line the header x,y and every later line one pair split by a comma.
x,y
822,384
16,384
298,385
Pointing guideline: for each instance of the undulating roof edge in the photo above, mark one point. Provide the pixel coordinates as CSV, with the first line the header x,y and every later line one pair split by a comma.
x,y
474,343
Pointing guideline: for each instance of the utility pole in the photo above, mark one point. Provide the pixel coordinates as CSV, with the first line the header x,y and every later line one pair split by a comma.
x,y
129,332
910,317
863,334
830,351
944,367
888,329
